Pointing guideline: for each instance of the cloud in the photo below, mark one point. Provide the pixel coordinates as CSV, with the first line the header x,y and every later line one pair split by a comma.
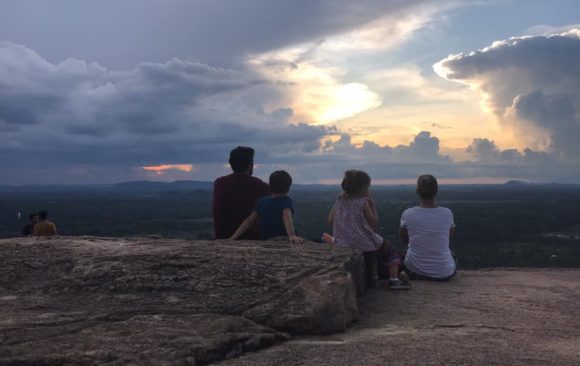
x,y
316,92
558,115
77,121
486,151
219,32
80,122
76,113
323,74
531,83
547,30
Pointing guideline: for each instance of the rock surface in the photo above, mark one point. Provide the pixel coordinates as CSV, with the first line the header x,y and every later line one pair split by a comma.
x,y
87,301
486,317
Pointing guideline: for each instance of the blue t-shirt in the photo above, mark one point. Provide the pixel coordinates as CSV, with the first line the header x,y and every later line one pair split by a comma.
x,y
270,210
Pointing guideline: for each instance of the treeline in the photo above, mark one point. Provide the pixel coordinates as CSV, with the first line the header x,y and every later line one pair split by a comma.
x,y
496,226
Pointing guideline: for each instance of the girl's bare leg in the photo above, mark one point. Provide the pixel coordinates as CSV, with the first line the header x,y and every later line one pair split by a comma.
x,y
393,271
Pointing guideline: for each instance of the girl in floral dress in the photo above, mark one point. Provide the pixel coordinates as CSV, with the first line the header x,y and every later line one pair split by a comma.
x,y
355,224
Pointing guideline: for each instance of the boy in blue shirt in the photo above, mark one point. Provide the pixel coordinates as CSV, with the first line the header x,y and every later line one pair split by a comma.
x,y
273,213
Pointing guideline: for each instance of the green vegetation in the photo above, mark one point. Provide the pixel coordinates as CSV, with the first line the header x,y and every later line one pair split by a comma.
x,y
531,226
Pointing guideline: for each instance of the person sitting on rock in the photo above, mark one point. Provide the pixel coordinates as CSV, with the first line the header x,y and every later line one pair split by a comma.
x,y
274,213
427,229
355,224
235,195
44,227
27,230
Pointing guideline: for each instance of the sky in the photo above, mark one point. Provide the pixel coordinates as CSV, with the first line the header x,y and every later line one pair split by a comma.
x,y
472,91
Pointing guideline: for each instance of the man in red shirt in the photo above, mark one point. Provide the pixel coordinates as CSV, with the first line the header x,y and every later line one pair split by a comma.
x,y
235,195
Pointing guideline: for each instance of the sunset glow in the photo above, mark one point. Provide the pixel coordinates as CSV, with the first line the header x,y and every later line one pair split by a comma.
x,y
393,87
159,169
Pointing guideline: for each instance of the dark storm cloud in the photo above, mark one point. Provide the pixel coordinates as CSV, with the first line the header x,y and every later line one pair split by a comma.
x,y
81,119
121,34
532,81
557,113
79,113
486,151
423,148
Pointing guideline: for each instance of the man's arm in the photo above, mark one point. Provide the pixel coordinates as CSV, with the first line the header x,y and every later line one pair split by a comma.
x,y
215,210
248,223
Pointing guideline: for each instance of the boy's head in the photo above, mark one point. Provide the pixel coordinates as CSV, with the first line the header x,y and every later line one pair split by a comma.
x,y
242,159
427,187
33,217
280,182
43,215
355,182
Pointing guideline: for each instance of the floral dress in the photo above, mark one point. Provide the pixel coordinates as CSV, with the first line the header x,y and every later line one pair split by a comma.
x,y
351,227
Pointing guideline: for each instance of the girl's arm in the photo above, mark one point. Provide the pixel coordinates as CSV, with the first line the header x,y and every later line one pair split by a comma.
x,y
289,225
331,216
248,223
371,215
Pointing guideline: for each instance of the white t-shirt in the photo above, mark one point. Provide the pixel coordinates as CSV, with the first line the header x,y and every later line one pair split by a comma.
x,y
428,253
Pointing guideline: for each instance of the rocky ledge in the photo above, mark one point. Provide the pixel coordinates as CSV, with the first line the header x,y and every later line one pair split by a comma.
x,y
515,317
152,301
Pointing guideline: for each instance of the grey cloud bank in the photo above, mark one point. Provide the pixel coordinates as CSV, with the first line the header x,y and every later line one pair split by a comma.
x,y
122,34
79,122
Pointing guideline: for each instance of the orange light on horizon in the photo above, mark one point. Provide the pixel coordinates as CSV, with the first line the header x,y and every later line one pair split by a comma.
x,y
160,169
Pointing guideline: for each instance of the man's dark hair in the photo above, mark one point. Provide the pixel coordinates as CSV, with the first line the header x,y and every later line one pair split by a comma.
x,y
32,215
241,158
280,182
427,186
355,181
43,214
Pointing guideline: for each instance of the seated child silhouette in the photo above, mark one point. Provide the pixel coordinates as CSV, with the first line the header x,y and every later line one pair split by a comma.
x,y
273,213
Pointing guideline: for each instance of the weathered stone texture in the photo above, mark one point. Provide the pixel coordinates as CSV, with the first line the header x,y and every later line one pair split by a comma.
x,y
496,317
159,301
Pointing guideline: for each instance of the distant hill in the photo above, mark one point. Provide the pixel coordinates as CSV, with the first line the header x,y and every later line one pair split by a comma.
x,y
188,185
149,186
142,186
52,188
515,182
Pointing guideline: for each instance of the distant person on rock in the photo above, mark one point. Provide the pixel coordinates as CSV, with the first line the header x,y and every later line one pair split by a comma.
x,y
235,196
355,224
274,213
44,227
427,229
27,231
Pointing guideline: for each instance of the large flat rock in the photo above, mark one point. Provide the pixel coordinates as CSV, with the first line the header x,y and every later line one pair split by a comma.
x,y
87,300
487,317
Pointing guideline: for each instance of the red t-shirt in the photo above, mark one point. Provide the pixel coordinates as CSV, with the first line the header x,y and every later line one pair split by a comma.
x,y
234,199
